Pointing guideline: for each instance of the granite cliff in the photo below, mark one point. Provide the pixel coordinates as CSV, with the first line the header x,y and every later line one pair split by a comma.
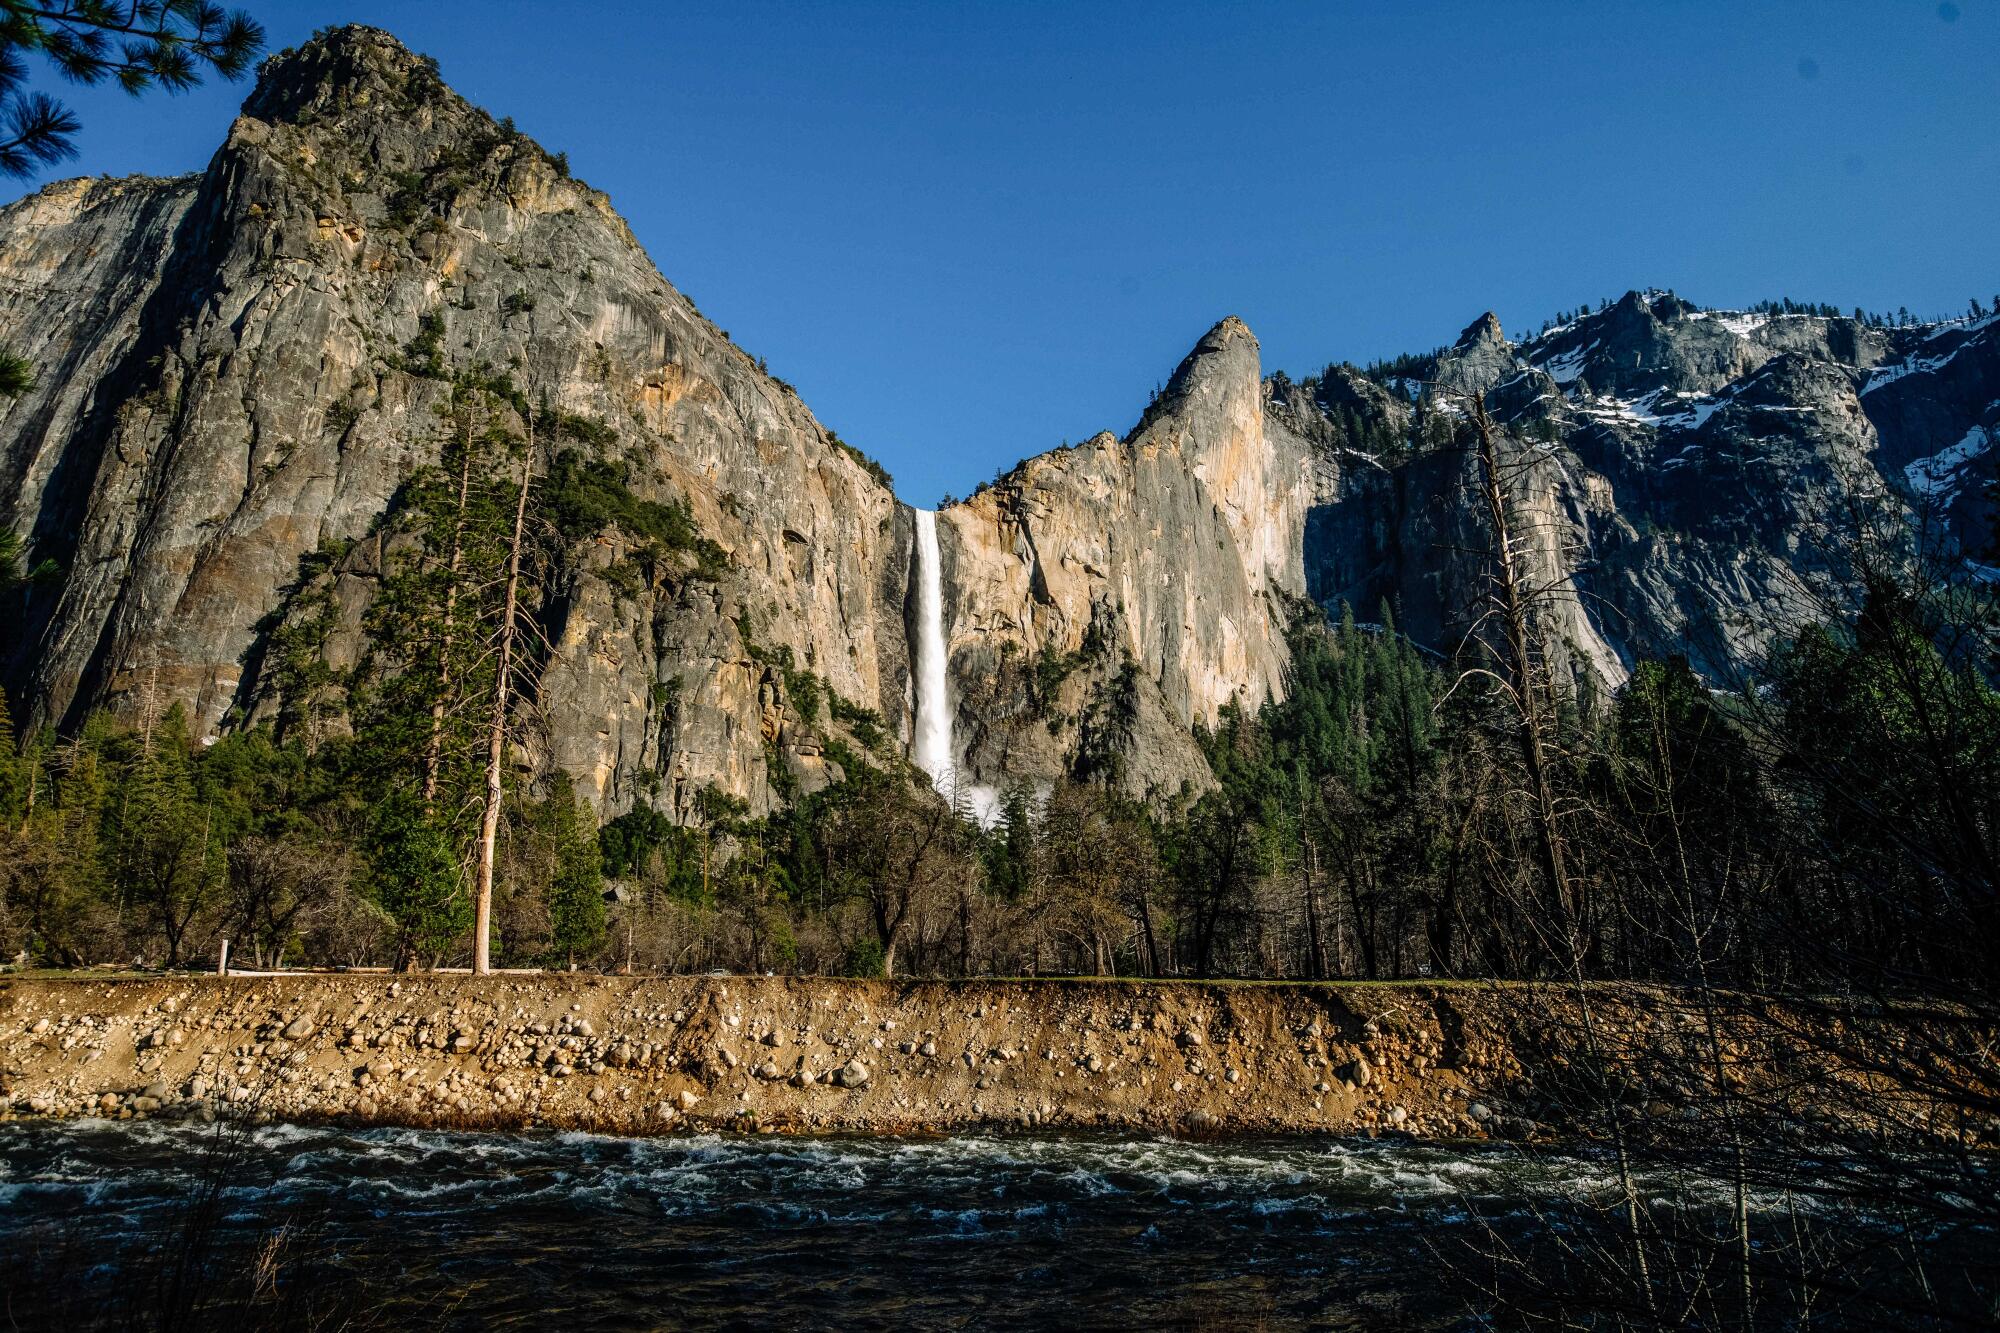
x,y
1106,598
237,372
240,370
1690,479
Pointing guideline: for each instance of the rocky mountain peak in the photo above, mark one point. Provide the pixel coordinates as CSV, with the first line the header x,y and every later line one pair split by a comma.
x,y
353,65
1669,308
1482,332
1480,359
365,134
1226,362
1104,598
1633,305
245,368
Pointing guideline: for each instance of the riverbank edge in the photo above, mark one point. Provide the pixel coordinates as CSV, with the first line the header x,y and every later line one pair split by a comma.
x,y
639,1056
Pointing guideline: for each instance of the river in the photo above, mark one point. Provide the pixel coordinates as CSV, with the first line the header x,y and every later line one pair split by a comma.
x,y
580,1231
596,1232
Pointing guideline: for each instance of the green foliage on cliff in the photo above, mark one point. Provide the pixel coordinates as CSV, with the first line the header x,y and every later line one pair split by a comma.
x,y
805,690
868,465
599,435
20,581
423,355
866,723
1105,727
16,375
405,203
582,497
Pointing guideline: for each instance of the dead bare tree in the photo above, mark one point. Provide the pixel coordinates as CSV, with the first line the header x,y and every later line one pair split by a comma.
x,y
1516,604
496,732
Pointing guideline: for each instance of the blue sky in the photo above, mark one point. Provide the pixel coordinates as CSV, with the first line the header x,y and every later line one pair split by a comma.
x,y
968,233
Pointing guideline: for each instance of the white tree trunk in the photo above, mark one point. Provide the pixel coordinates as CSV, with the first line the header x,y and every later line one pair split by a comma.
x,y
496,732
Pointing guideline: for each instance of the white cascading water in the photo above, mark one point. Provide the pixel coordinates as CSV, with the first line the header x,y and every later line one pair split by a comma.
x,y
932,747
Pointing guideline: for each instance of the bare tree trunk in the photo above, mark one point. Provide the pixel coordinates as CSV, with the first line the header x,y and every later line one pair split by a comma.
x,y
965,930
1520,666
434,749
1687,906
1146,933
1308,862
1525,684
496,732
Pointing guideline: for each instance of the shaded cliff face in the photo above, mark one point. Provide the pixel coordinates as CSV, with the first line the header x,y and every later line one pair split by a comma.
x,y
240,369
1688,478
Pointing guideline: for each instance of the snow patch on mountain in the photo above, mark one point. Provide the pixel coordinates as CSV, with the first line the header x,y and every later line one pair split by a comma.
x,y
1940,477
1742,323
1662,409
1928,364
1568,367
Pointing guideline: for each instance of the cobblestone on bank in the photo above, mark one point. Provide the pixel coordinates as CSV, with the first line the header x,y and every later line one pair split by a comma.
x,y
633,1055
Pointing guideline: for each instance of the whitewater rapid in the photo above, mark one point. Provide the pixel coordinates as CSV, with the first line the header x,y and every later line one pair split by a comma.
x,y
475,1231
440,1229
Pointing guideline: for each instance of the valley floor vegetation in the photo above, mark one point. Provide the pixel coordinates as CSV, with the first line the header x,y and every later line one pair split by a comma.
x,y
1837,820
1372,825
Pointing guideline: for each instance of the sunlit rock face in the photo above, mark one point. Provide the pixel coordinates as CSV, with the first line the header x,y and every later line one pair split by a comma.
x,y
234,378
1105,599
231,379
238,371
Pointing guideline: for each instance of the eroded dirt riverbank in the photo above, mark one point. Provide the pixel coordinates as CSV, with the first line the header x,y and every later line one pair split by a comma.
x,y
652,1055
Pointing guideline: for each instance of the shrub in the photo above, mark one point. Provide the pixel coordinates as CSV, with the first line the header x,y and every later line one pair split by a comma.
x,y
581,497
868,465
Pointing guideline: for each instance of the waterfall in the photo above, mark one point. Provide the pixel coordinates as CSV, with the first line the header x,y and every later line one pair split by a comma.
x,y
931,747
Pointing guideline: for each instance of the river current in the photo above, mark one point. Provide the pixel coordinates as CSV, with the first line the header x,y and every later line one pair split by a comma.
x,y
583,1231
104,1224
